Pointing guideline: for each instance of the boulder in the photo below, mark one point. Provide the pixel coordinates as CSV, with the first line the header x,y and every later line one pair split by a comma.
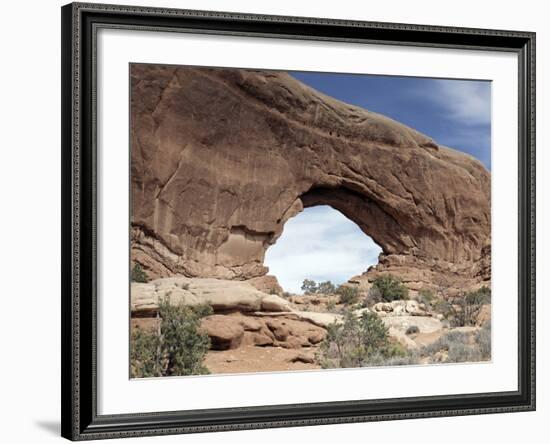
x,y
399,308
222,295
272,302
293,342
293,332
250,324
303,357
267,284
224,332
278,328
316,336
319,319
283,330
402,323
260,339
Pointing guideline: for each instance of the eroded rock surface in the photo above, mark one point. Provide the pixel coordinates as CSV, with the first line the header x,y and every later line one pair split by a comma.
x,y
242,315
223,296
222,158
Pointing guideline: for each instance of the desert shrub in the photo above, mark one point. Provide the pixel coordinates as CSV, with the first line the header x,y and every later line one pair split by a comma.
x,y
463,353
178,348
326,287
374,295
445,342
286,294
459,347
348,295
480,296
466,309
391,288
483,340
138,275
412,330
309,286
426,297
405,357
145,360
357,342
182,342
331,305
443,307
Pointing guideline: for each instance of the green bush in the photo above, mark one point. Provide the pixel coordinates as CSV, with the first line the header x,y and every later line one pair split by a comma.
x,y
463,347
348,295
326,287
483,340
412,330
391,288
374,295
463,353
178,348
138,275
454,343
309,286
357,342
426,297
404,357
466,309
443,307
457,311
479,297
145,359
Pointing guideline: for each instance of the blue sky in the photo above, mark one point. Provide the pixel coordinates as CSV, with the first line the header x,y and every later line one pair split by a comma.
x,y
322,244
455,113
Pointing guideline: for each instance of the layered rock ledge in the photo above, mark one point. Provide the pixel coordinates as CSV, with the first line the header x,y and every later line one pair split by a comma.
x,y
242,314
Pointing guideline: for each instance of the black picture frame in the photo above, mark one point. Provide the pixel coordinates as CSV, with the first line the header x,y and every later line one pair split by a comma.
x,y
80,420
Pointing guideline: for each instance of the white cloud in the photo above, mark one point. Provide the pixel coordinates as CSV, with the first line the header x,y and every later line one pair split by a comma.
x,y
320,244
467,101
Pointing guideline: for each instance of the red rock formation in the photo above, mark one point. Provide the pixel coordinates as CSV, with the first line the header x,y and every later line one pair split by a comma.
x,y
222,158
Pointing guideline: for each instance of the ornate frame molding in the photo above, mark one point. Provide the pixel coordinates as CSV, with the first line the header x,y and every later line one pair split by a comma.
x,y
80,22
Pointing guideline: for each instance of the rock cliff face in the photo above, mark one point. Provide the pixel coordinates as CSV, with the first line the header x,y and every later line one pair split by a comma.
x,y
222,158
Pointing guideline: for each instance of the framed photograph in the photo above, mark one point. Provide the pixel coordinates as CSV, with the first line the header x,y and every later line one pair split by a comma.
x,y
282,221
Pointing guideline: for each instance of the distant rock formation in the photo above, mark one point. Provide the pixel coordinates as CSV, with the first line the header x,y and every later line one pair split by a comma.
x,y
222,158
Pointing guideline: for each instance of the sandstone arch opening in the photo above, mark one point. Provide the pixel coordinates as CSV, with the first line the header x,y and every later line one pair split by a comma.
x,y
212,200
322,244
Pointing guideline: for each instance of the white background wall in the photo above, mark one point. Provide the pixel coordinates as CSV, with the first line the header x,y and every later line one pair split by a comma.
x,y
30,221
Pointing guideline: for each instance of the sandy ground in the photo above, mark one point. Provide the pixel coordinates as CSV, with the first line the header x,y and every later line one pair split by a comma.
x,y
255,359
423,339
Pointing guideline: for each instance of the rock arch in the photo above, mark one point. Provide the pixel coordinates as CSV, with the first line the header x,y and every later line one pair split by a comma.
x,y
222,158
